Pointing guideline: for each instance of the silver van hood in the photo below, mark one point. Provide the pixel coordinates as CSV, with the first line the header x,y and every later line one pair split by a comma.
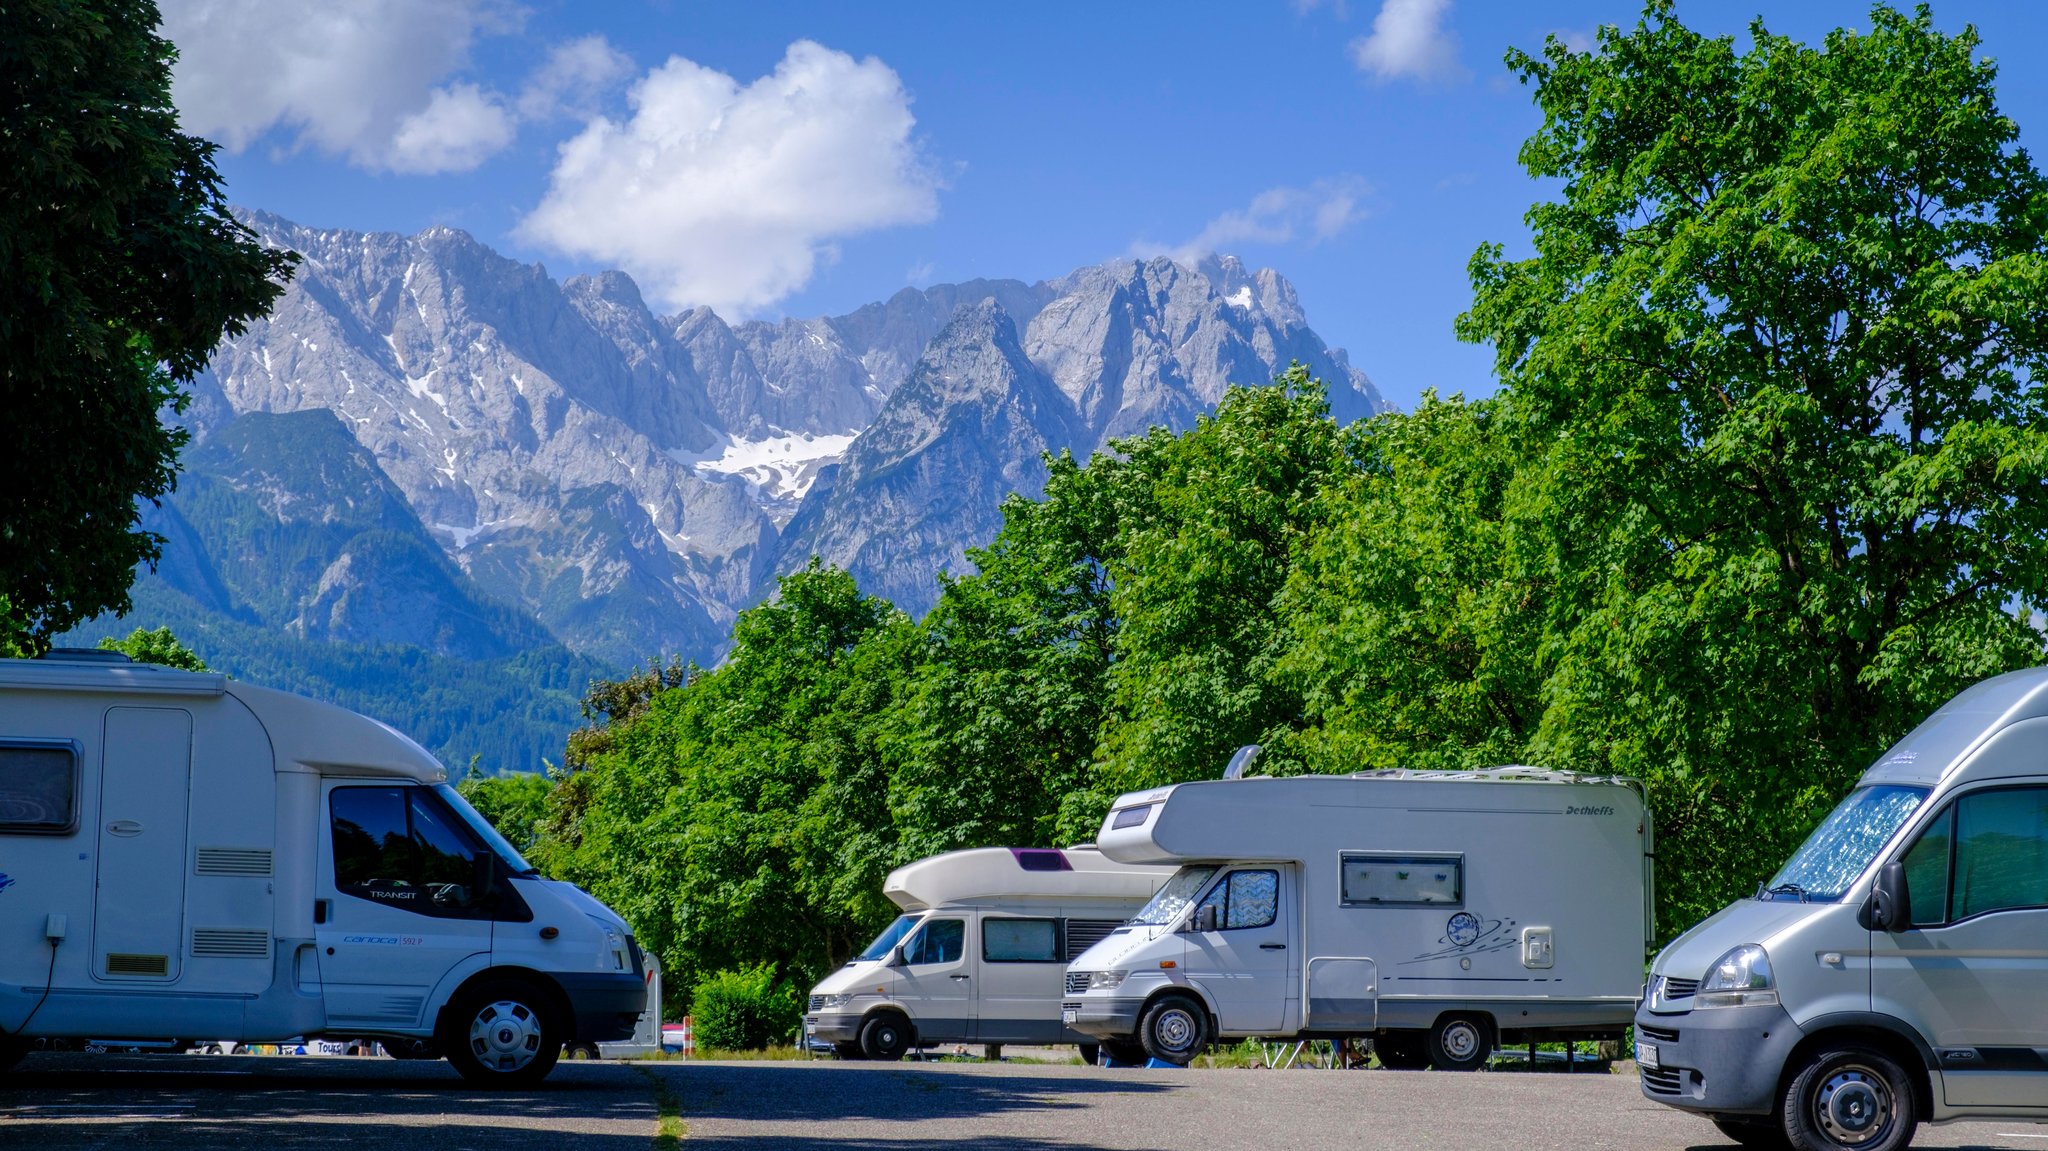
x,y
1743,921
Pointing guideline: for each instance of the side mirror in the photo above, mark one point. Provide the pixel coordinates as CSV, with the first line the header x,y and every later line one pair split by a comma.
x,y
895,957
1205,917
1891,905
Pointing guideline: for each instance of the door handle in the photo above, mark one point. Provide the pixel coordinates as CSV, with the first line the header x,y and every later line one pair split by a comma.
x,y
959,977
1272,947
125,827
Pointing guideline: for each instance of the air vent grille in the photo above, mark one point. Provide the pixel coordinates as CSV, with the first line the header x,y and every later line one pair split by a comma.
x,y
119,963
1083,934
230,943
252,861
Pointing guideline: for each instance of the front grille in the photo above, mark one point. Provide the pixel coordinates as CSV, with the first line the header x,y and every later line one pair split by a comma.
x,y
1680,988
1077,982
1070,1006
817,1003
1660,1034
1663,1080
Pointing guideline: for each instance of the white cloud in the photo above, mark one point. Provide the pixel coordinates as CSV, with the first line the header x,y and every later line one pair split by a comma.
x,y
574,78
1284,215
729,195
461,127
346,79
1408,39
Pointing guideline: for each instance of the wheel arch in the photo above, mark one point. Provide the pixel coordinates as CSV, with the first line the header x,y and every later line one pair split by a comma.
x,y
1880,1031
1184,991
557,999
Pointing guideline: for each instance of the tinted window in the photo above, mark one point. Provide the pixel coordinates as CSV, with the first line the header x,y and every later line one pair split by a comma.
x,y
38,787
1927,870
2001,857
940,941
1019,941
1245,899
399,846
1402,880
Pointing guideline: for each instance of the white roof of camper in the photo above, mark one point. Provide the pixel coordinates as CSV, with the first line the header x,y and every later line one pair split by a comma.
x,y
305,735
1943,740
993,874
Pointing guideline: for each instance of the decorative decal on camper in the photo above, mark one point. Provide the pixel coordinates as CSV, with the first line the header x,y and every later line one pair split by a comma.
x,y
5,881
1468,934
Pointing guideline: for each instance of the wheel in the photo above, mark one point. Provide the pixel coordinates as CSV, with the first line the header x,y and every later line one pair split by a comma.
x,y
885,1036
581,1051
1174,1029
1750,1132
411,1049
1851,1097
1460,1042
1400,1051
1091,1053
502,1032
849,1050
1124,1051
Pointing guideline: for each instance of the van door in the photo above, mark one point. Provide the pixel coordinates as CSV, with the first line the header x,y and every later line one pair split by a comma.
x,y
1245,964
1972,973
397,875
145,781
1023,974
936,980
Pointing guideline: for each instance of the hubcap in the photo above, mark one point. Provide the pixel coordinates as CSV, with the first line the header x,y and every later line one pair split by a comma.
x,y
1853,1105
1175,1030
505,1036
1461,1041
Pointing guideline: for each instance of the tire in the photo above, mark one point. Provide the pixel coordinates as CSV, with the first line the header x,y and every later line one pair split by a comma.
x,y
12,1051
1124,1051
503,1032
411,1049
1401,1050
886,1036
1850,1097
1460,1042
581,1051
1751,1132
1091,1053
1174,1029
849,1050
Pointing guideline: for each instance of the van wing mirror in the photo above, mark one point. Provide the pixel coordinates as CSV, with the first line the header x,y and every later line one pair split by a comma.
x,y
1891,904
1205,917
895,957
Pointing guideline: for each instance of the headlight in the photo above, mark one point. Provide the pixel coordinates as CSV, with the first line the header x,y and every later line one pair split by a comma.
x,y
1106,980
1741,978
612,956
835,1002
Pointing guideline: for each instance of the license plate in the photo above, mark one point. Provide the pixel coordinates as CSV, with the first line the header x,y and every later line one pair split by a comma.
x,y
1646,1055
1068,1015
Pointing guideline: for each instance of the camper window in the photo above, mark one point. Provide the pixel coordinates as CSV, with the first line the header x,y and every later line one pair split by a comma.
x,y
1376,880
2001,851
1246,899
939,941
1020,941
398,847
1173,899
38,787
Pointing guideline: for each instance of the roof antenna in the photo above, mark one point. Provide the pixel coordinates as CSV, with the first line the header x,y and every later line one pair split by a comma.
x,y
1242,760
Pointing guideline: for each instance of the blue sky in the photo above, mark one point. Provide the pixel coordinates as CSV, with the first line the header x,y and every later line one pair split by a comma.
x,y
804,159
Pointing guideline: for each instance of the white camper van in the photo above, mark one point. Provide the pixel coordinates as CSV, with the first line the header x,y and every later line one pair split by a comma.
x,y
1439,913
184,856
979,952
1895,969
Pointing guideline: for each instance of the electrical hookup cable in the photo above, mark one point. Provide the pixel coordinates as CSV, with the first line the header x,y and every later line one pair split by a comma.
x,y
49,981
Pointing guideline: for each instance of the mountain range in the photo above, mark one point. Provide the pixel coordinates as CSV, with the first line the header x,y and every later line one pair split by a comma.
x,y
437,458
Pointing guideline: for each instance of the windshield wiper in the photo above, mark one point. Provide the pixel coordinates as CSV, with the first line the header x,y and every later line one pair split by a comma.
x,y
1785,889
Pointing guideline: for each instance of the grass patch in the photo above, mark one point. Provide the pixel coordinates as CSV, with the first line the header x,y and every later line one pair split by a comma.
x,y
669,1128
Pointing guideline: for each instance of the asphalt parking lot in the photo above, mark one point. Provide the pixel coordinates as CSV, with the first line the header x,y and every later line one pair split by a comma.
x,y
87,1101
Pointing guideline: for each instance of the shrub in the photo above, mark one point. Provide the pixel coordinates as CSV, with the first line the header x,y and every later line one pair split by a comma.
x,y
745,1010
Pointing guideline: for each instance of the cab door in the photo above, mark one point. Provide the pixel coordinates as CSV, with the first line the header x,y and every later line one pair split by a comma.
x,y
398,884
936,978
1246,964
1972,973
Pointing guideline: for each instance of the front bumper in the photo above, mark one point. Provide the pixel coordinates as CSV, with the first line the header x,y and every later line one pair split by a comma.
x,y
1723,1060
606,1005
1102,1017
835,1026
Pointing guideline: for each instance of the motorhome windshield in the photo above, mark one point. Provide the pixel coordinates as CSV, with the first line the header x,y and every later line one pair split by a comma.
x,y
890,937
485,831
1843,845
1173,899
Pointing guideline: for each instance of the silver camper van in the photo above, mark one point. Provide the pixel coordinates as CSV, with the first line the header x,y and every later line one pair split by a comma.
x,y
1437,912
979,952
186,857
1895,969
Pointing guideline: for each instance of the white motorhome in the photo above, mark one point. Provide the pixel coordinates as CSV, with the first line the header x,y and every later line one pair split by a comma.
x,y
979,952
1439,913
1895,970
182,855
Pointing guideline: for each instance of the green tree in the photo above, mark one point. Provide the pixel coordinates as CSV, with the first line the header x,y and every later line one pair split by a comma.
x,y
515,802
1779,359
158,647
120,269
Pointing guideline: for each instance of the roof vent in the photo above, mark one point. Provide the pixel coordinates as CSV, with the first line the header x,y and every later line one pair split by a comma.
x,y
1041,859
85,655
